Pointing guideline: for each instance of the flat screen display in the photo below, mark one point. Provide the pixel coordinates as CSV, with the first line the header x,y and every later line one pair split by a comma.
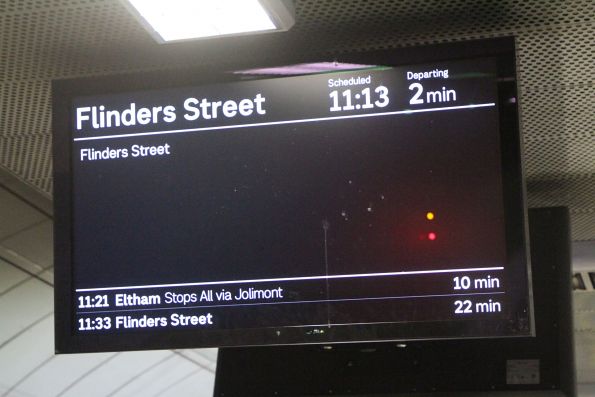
x,y
365,200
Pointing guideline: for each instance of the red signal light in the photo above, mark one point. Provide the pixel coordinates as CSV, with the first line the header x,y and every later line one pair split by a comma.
x,y
431,236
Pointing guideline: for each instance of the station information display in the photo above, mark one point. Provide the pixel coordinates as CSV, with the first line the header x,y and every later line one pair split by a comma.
x,y
373,203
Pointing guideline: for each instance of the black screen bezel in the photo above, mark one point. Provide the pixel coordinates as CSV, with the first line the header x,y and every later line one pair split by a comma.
x,y
64,91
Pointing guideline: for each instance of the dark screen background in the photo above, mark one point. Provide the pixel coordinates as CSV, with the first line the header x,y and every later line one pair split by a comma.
x,y
306,192
251,203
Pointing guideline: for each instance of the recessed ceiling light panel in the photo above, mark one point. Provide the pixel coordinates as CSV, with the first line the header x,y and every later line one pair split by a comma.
x,y
179,20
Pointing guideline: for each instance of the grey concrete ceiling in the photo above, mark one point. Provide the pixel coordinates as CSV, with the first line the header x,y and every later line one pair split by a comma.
x,y
41,40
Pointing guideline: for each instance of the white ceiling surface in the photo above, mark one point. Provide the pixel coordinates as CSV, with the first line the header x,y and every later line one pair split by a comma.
x,y
28,366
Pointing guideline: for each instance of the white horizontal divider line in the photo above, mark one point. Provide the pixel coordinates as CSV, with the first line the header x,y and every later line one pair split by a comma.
x,y
325,277
224,127
232,305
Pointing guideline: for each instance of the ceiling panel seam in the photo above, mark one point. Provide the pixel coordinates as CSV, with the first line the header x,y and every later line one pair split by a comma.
x,y
15,285
201,366
176,382
87,373
139,374
20,197
25,329
19,382
23,230
33,275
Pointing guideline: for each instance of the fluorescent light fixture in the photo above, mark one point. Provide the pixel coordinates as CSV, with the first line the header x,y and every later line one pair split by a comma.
x,y
179,20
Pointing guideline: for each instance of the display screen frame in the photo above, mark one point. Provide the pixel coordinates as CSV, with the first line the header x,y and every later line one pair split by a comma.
x,y
64,93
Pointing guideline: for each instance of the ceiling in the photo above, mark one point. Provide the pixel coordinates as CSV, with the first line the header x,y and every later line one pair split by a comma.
x,y
42,40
